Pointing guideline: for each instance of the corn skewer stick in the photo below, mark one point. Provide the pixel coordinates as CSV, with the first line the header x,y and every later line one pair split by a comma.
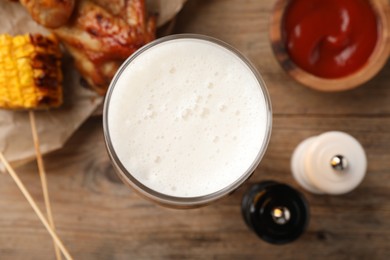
x,y
42,175
26,194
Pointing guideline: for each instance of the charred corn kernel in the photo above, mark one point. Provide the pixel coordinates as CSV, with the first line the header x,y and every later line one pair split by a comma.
x,y
30,72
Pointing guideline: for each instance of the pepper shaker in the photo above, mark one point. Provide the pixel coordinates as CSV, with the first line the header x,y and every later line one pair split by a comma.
x,y
277,213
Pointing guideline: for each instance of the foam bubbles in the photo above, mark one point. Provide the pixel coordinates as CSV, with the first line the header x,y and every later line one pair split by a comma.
x,y
222,107
192,126
157,159
205,112
172,70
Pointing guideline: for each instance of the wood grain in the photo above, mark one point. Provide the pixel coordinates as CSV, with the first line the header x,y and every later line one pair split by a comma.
x,y
98,217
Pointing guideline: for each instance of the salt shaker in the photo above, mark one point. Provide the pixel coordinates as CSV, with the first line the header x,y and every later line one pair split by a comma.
x,y
331,163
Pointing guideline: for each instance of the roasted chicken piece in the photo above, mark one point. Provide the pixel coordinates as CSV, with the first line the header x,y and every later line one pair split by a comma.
x,y
49,13
100,41
101,34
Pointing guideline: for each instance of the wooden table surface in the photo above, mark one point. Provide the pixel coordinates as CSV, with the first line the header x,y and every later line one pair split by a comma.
x,y
98,217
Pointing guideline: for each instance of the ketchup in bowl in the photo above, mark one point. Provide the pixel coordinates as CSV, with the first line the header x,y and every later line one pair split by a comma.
x,y
330,38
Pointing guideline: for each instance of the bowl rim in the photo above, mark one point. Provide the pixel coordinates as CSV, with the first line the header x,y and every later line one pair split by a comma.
x,y
374,64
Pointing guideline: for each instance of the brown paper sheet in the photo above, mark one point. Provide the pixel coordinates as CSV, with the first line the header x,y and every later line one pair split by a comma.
x,y
166,9
54,126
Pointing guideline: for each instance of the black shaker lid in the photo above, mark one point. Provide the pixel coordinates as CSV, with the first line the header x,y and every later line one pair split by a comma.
x,y
277,213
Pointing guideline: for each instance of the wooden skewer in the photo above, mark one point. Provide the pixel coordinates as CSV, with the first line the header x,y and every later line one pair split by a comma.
x,y
26,194
42,175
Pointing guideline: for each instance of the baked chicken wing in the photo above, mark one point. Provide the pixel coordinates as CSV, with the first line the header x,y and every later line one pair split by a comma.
x,y
49,13
101,34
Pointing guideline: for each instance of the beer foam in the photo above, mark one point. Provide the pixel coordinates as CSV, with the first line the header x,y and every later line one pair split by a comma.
x,y
187,117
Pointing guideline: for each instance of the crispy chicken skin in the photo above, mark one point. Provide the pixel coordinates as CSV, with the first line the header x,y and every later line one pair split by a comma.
x,y
101,34
49,13
100,41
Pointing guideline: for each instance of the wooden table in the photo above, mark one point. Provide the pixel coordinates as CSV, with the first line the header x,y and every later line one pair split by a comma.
x,y
98,217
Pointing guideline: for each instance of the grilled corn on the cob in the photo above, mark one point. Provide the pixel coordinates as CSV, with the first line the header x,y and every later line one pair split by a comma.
x,y
30,72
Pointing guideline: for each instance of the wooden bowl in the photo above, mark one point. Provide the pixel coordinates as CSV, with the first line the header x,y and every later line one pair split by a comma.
x,y
374,64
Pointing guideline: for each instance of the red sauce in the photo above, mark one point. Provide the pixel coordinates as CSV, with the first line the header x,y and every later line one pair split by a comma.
x,y
330,38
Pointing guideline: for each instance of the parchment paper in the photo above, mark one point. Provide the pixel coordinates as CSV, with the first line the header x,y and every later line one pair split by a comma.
x,y
54,126
166,9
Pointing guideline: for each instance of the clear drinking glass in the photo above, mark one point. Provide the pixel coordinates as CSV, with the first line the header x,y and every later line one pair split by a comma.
x,y
172,201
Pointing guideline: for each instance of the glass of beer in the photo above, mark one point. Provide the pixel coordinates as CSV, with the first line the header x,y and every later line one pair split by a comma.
x,y
186,119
